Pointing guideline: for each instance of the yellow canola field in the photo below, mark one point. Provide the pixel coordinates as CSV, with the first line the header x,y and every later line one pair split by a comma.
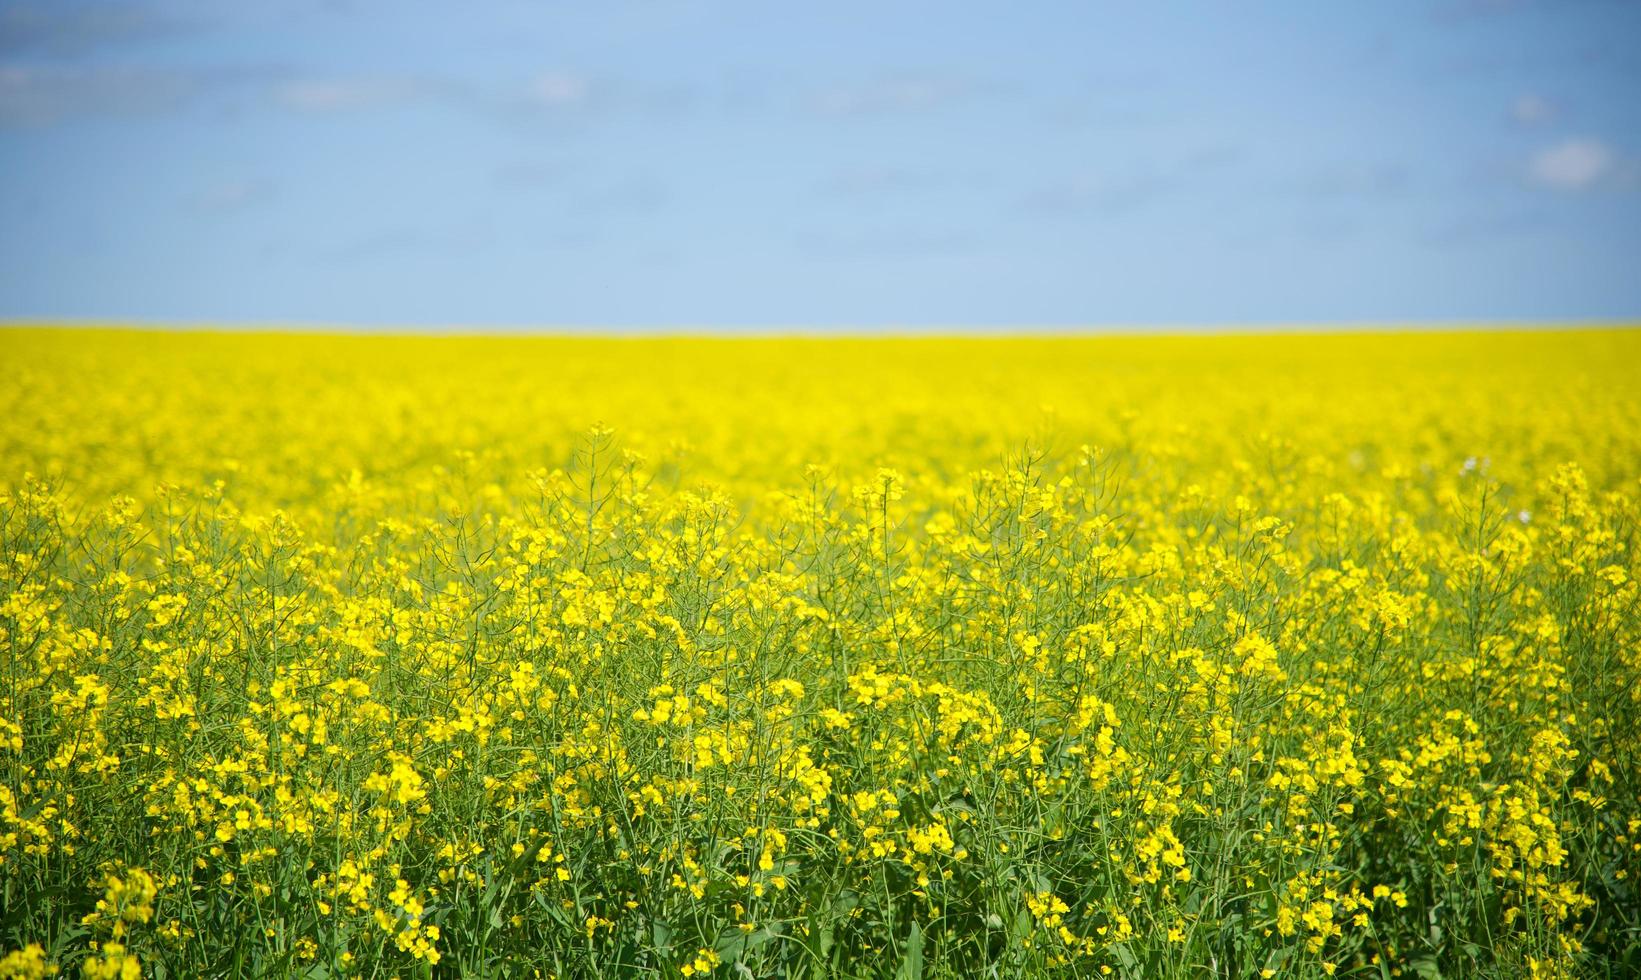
x,y
1192,656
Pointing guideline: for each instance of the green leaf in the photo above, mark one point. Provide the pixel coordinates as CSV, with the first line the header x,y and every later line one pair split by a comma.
x,y
734,943
661,935
911,967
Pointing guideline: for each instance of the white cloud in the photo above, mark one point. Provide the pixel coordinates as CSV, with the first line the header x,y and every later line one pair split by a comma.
x,y
343,94
46,94
1095,192
1532,109
906,93
556,88
1572,165
231,195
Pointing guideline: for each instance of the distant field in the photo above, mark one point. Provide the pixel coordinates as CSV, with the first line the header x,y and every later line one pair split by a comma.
x,y
1176,657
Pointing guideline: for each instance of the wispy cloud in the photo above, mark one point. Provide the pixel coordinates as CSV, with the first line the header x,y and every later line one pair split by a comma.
x,y
1467,229
565,95
322,95
559,89
1127,185
69,29
528,173
232,195
47,91
878,182
871,242
894,94
632,195
1530,110
473,233
1098,192
550,91
1353,180
1573,165
43,94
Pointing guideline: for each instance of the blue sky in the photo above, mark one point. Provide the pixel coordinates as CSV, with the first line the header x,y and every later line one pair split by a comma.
x,y
731,165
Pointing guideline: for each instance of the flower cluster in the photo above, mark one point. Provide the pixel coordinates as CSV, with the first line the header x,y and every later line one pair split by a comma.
x,y
1033,658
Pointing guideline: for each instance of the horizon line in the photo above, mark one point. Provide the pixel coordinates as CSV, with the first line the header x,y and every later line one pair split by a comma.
x,y
887,331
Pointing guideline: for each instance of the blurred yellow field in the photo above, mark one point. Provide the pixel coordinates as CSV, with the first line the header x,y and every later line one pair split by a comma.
x,y
1211,656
